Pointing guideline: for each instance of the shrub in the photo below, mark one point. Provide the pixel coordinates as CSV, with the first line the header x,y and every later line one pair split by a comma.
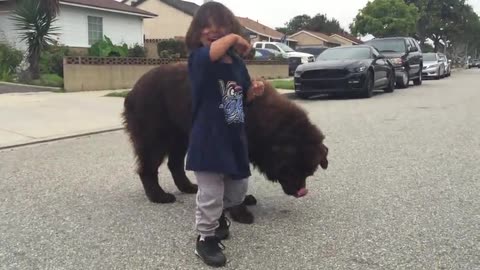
x,y
51,60
137,51
105,48
10,59
171,48
52,80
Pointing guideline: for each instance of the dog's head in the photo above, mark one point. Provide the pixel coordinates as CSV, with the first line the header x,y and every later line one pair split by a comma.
x,y
292,164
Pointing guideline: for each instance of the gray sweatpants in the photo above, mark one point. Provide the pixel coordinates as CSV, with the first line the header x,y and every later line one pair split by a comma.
x,y
215,193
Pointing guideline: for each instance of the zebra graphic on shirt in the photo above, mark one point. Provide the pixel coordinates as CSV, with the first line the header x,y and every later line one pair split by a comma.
x,y
232,102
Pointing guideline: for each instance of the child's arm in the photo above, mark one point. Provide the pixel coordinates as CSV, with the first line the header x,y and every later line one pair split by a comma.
x,y
220,47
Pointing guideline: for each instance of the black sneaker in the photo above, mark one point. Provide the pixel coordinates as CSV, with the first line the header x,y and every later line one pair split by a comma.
x,y
210,251
241,214
222,232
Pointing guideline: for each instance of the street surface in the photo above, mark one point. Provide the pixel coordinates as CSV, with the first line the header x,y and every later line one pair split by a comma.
x,y
402,192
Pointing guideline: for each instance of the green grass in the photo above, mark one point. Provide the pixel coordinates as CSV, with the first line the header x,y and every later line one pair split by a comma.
x,y
118,94
52,80
283,84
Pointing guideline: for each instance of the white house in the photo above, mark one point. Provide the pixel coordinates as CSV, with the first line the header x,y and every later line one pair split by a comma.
x,y
83,22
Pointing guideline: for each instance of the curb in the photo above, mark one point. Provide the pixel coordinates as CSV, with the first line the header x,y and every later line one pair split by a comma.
x,y
60,138
32,86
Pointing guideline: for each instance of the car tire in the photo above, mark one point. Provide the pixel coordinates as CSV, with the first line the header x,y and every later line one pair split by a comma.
x,y
368,85
403,83
418,81
391,83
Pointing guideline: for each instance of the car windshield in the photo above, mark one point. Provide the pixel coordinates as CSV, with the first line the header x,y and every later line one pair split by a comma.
x,y
285,47
429,57
388,45
344,54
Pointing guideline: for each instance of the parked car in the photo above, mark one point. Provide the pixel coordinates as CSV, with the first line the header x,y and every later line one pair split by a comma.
x,y
433,66
448,64
406,56
474,63
311,49
287,53
264,54
351,69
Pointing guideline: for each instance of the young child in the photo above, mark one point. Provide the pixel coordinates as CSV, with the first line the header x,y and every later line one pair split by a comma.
x,y
218,152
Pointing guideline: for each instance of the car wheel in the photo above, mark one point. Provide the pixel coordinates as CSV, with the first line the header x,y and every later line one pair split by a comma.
x,y
391,83
438,74
418,81
403,82
367,91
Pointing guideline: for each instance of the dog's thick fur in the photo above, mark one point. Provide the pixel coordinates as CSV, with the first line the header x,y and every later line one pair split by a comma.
x,y
283,144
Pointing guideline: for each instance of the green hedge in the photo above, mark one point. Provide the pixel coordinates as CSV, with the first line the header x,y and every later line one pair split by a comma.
x,y
51,60
10,59
172,48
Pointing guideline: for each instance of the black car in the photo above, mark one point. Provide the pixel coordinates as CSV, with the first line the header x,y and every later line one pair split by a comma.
x,y
405,54
351,69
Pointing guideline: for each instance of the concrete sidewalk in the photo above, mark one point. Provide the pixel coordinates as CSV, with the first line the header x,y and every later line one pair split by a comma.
x,y
35,117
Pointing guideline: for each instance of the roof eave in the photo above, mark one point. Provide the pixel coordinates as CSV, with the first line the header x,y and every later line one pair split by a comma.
x,y
143,15
266,35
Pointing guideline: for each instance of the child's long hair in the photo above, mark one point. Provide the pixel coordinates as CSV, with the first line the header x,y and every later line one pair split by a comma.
x,y
211,12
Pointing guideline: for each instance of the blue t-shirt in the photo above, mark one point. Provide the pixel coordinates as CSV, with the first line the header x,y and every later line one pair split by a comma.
x,y
218,141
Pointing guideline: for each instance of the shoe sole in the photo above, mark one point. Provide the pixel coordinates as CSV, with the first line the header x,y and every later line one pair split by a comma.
x,y
209,264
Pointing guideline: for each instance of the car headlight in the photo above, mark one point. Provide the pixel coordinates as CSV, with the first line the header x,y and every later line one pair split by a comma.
x,y
358,69
298,73
304,60
396,61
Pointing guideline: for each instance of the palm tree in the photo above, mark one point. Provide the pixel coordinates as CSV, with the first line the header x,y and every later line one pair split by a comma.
x,y
34,20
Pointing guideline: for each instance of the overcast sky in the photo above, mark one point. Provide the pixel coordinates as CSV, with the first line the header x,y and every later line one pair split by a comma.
x,y
276,13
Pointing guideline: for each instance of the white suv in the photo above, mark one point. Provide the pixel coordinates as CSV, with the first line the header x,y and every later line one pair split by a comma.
x,y
286,51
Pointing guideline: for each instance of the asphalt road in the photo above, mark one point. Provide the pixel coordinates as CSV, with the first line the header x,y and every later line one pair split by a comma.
x,y
402,192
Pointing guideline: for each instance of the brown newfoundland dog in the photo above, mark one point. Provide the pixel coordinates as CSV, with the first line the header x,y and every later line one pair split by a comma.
x,y
283,144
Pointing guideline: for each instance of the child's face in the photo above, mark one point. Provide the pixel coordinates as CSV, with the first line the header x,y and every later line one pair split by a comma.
x,y
211,33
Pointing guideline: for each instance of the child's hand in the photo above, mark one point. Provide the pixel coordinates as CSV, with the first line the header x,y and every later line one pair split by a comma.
x,y
255,90
242,46
258,88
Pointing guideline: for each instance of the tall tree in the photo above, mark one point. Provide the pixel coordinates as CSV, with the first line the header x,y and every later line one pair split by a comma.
x,y
34,20
297,23
383,18
318,23
321,23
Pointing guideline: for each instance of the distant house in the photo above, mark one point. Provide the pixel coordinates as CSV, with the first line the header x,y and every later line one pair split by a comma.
x,y
311,38
261,32
83,22
346,39
174,17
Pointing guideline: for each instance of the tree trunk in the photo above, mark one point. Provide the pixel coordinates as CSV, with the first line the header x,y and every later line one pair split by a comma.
x,y
34,68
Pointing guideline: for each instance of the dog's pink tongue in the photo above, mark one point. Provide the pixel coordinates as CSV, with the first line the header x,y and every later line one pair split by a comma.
x,y
302,192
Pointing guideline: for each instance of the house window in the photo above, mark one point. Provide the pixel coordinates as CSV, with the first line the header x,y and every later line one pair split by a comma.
x,y
95,29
